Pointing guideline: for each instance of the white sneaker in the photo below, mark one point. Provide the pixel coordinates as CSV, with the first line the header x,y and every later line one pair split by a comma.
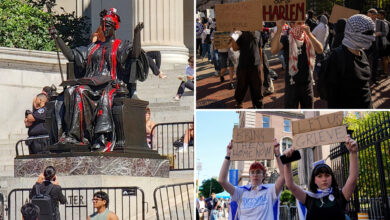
x,y
176,98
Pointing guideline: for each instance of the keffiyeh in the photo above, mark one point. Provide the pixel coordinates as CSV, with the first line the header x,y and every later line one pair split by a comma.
x,y
297,37
354,29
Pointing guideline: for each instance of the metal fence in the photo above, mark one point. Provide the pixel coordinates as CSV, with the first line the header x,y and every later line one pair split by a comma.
x,y
174,201
288,213
22,144
373,190
167,140
126,202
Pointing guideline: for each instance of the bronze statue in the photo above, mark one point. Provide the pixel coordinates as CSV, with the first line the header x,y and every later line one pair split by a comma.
x,y
102,69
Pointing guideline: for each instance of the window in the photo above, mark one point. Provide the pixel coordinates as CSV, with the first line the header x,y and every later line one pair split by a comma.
x,y
286,143
265,122
286,125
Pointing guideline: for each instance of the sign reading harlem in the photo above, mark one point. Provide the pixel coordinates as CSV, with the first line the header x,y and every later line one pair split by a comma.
x,y
322,130
252,144
289,10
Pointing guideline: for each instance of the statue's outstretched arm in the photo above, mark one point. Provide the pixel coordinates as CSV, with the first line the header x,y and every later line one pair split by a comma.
x,y
137,40
61,44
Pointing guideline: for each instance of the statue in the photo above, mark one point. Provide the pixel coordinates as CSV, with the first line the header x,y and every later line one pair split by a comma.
x,y
103,70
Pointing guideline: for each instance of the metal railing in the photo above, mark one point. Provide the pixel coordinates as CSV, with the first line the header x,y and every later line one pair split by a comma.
x,y
372,191
126,202
1,207
174,201
20,144
288,213
166,138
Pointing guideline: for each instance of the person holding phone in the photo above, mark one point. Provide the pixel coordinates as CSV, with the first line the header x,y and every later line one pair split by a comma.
x,y
44,181
255,200
324,200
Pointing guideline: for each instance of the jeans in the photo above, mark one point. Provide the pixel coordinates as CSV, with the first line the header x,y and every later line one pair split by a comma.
x,y
188,84
206,49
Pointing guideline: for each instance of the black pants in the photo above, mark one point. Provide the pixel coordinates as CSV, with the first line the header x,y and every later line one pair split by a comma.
x,y
199,45
251,78
154,58
373,55
298,94
267,77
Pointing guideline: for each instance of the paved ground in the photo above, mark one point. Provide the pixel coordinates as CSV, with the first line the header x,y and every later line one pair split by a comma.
x,y
211,93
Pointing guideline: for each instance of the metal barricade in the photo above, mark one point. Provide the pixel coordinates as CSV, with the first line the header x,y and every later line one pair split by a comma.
x,y
174,201
126,202
167,139
288,213
20,144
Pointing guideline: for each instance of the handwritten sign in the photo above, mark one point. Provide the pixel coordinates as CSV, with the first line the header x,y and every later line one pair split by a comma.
x,y
317,123
341,12
320,137
252,144
243,16
221,40
289,10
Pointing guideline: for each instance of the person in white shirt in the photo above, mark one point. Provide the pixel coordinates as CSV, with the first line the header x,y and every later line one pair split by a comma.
x,y
321,31
255,201
201,206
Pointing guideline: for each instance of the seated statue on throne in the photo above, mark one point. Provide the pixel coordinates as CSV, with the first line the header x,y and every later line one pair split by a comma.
x,y
103,70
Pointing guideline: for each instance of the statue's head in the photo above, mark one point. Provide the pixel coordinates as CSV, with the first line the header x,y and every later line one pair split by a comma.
x,y
110,22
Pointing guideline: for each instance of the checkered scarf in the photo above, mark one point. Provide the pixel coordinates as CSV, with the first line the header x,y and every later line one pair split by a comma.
x,y
297,37
353,37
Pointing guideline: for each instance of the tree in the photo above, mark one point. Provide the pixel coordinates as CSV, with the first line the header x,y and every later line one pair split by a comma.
x,y
215,187
25,24
287,198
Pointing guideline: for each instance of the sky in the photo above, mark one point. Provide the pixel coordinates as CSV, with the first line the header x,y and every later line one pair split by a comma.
x,y
214,131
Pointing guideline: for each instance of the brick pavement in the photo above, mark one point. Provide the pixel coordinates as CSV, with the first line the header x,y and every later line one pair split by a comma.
x,y
211,93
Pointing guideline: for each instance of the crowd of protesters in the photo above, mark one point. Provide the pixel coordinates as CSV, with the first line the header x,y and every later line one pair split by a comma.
x,y
340,60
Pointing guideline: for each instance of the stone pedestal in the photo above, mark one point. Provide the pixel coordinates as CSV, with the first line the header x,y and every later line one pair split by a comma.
x,y
95,163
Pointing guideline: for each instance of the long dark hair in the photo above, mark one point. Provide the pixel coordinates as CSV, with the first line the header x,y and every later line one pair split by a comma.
x,y
323,168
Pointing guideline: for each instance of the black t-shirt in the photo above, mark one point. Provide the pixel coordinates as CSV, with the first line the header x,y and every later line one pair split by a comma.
x,y
212,203
349,77
326,209
247,57
311,23
38,128
303,76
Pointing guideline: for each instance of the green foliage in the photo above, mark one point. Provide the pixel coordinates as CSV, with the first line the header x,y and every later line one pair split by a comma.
x,y
25,24
371,125
215,187
287,198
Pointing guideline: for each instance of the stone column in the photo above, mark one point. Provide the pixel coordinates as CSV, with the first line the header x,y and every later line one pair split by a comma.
x,y
163,20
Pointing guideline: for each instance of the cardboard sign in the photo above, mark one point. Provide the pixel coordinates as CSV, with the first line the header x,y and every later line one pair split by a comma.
x,y
253,135
289,10
221,40
341,12
320,137
252,151
243,16
252,144
317,123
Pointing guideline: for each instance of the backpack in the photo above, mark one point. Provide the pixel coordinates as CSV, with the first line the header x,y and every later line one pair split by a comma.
x,y
44,202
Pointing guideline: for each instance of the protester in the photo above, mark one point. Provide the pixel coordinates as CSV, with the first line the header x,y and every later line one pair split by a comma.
x,y
201,207
284,33
100,203
310,21
339,33
348,72
250,68
212,205
48,181
187,81
35,122
199,31
242,197
206,41
215,56
300,47
325,200
30,211
321,31
225,62
383,44
373,51
149,126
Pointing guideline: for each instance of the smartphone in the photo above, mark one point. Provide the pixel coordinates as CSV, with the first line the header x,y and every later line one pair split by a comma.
x,y
295,156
